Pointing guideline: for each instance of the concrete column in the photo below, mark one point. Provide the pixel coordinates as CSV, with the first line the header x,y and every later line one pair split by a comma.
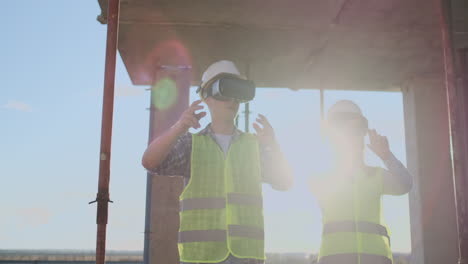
x,y
169,98
432,203
165,219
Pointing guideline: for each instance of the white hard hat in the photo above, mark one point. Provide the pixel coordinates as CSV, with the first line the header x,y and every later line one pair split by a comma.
x,y
218,68
344,106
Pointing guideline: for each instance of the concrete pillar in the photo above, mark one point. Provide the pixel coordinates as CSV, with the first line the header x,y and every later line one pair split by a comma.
x,y
432,203
165,219
169,98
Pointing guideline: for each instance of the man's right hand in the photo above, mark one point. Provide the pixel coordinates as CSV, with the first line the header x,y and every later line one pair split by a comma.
x,y
189,118
158,150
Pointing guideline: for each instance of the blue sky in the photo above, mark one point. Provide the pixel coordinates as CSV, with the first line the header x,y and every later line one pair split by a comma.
x,y
52,72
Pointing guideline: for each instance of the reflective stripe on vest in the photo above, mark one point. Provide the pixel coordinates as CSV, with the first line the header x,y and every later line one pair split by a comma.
x,y
202,236
202,203
246,231
220,203
245,199
354,259
350,226
220,235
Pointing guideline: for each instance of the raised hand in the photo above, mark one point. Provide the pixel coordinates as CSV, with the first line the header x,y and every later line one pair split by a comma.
x,y
189,118
265,133
379,144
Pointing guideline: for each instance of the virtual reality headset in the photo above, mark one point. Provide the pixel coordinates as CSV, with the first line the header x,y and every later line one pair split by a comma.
x,y
349,123
228,87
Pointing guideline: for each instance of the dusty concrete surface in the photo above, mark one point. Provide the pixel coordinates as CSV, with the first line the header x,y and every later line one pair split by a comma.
x,y
339,44
331,44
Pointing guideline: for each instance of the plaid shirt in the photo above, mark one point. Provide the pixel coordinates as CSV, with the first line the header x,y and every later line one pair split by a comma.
x,y
178,161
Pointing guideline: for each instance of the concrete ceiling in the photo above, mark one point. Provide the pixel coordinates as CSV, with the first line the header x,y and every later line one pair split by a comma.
x,y
300,44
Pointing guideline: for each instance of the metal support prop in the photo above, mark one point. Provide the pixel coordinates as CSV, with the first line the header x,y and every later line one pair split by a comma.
x,y
322,105
247,105
246,115
102,198
149,185
457,98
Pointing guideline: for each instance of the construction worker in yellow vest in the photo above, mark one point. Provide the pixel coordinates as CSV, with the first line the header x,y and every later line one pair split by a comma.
x,y
221,215
350,194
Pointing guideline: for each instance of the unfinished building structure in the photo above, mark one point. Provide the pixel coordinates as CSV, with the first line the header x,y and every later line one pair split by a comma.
x,y
418,47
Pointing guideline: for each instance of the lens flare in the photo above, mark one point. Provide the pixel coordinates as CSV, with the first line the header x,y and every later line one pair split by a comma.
x,y
164,93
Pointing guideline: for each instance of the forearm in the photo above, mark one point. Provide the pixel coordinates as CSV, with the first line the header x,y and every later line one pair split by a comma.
x,y
160,147
276,169
397,180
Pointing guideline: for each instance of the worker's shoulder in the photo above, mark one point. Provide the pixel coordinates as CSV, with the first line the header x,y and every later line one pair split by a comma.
x,y
247,135
374,170
185,138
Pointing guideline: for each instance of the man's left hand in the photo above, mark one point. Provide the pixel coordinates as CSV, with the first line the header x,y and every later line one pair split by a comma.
x,y
265,134
379,144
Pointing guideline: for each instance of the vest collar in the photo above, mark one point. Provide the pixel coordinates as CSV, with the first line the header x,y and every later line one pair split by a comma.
x,y
209,131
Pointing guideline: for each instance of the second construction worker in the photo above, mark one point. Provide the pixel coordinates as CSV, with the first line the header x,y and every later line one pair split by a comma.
x,y
350,194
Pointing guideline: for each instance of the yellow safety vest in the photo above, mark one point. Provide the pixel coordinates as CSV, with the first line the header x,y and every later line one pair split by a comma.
x,y
352,229
221,207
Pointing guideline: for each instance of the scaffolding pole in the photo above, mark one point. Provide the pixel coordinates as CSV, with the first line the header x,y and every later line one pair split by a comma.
x,y
102,198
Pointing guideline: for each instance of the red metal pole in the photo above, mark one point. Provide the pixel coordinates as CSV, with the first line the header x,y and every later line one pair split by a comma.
x,y
102,198
457,103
